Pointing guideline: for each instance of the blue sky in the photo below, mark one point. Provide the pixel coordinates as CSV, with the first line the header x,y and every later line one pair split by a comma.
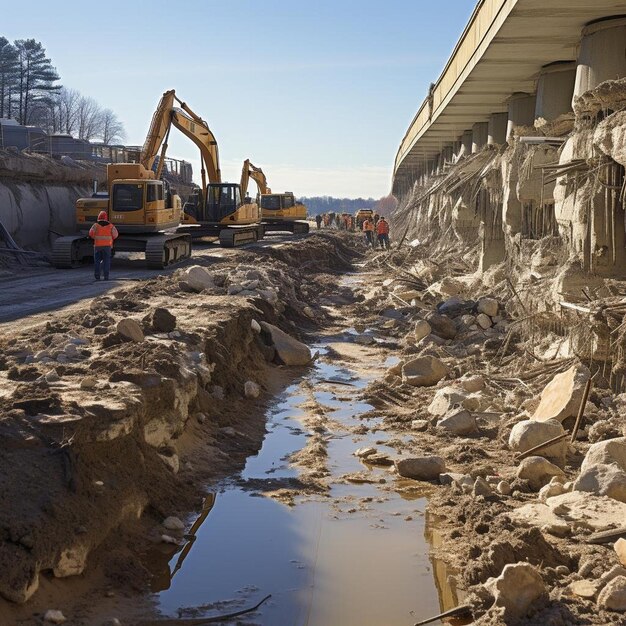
x,y
319,94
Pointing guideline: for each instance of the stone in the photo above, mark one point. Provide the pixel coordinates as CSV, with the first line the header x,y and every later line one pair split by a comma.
x,y
130,329
234,289
256,327
71,350
364,340
422,329
557,530
562,396
620,549
484,321
309,312
441,325
488,306
289,350
449,478
613,596
481,488
562,570
169,539
173,523
365,452
424,371
538,471
54,616
460,423
614,572
606,452
52,376
603,480
530,433
72,561
162,320
471,383
251,389
198,278
446,399
550,490
518,588
584,588
503,488
419,425
88,383
421,468
201,417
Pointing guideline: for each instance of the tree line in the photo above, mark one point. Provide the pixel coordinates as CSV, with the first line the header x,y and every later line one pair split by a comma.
x,y
30,92
327,204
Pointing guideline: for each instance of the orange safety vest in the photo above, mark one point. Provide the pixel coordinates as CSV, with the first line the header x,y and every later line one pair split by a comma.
x,y
103,236
382,228
367,225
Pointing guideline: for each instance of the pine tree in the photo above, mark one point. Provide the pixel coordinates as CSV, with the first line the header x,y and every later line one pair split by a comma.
x,y
8,75
36,76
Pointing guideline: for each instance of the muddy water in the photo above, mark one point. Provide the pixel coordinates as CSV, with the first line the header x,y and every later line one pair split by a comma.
x,y
354,555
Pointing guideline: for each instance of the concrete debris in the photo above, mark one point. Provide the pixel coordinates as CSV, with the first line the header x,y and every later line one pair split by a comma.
x,y
461,423
421,468
173,523
603,470
488,306
538,471
620,550
517,590
441,325
364,452
528,434
422,329
484,321
163,321
424,371
198,278
613,596
130,330
562,396
54,616
289,350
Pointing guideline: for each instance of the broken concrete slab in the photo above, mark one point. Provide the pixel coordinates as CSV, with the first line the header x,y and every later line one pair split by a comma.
x,y
562,396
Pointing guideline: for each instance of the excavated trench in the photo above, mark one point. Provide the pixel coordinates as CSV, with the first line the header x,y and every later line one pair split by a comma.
x,y
327,534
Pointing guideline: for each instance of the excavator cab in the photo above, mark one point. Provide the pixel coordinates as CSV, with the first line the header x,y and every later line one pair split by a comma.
x,y
223,200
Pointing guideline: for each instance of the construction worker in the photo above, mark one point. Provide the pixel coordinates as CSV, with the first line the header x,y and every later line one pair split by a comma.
x,y
382,230
376,218
103,234
368,229
318,221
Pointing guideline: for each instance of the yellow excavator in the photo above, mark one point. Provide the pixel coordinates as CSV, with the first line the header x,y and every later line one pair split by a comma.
x,y
279,211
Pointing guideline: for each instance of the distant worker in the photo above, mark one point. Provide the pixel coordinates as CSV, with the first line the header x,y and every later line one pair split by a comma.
x,y
368,229
318,221
103,234
382,230
376,218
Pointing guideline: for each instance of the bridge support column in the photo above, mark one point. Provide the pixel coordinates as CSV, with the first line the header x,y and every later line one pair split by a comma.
x,y
555,88
521,112
479,136
496,132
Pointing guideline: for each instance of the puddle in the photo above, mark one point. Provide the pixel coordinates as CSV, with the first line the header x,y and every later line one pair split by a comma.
x,y
358,557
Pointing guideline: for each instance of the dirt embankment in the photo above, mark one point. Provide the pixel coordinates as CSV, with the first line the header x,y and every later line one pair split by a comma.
x,y
126,408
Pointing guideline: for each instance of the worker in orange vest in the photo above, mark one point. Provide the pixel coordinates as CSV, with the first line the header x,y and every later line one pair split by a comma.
x,y
382,230
103,234
368,229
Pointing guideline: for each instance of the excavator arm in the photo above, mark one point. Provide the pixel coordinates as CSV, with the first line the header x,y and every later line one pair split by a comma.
x,y
250,171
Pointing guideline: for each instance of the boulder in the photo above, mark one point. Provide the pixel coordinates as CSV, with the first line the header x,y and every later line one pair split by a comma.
x,y
424,371
606,452
603,480
484,321
198,278
538,471
562,396
441,325
289,350
613,596
251,389
422,329
460,423
530,433
488,306
446,399
421,468
163,321
130,330
620,550
518,588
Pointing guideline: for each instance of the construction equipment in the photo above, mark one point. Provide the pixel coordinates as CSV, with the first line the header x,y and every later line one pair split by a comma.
x,y
279,211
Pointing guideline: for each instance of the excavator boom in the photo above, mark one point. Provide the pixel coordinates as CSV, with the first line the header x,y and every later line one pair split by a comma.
x,y
250,171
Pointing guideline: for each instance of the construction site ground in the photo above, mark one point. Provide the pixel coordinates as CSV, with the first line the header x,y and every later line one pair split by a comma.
x,y
170,456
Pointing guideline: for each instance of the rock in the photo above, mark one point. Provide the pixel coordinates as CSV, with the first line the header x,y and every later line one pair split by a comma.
x,y
169,539
380,458
562,570
72,561
198,278
620,549
234,289
256,327
71,350
613,596
606,452
163,321
556,529
130,330
269,295
584,588
421,468
309,312
471,383
481,488
614,572
488,306
468,320
562,396
518,588
54,617
419,425
251,389
538,471
173,523
290,350
504,488
446,399
484,321
530,433
603,480
88,383
52,376
441,325
424,371
112,622
422,329
364,340
550,490
365,452
201,417
460,423
448,478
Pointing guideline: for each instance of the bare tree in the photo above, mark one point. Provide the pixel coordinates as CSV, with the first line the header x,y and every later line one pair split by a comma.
x,y
66,105
112,129
89,118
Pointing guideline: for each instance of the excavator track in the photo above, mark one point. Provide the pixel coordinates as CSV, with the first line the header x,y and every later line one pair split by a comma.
x,y
239,236
166,250
292,226
66,251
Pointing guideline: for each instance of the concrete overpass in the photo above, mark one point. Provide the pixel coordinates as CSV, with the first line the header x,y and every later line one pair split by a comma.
x,y
509,47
